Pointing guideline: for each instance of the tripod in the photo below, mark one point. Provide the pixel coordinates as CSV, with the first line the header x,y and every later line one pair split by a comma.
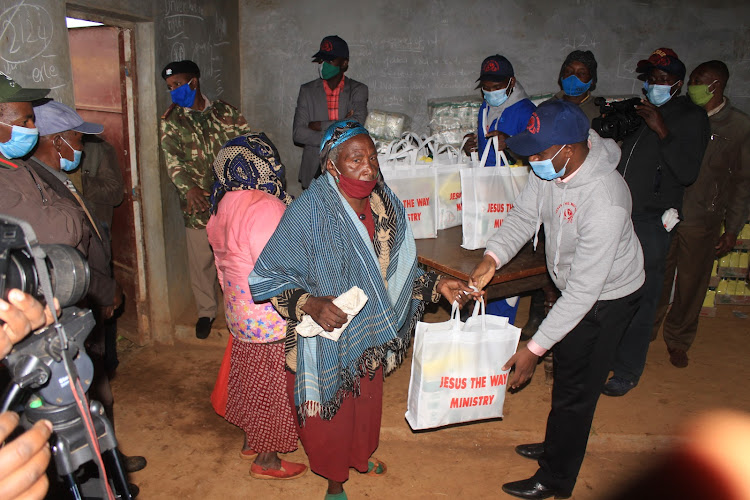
x,y
50,360
51,363
71,449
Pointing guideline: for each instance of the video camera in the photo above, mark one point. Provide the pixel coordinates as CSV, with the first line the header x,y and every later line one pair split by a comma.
x,y
52,362
618,119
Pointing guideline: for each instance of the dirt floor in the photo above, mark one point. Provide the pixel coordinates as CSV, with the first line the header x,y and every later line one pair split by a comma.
x,y
163,412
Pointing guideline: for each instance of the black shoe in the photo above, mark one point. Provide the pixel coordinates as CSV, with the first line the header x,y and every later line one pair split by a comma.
x,y
531,488
203,327
133,489
617,386
533,451
132,464
678,357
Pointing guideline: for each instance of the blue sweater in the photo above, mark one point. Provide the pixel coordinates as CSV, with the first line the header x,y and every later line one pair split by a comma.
x,y
513,120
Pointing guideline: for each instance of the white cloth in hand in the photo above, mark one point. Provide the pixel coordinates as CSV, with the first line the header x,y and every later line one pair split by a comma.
x,y
351,302
670,219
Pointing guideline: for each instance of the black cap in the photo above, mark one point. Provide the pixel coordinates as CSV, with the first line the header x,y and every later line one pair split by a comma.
x,y
331,47
496,69
180,67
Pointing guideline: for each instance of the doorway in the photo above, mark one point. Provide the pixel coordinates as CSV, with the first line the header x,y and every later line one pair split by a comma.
x,y
103,62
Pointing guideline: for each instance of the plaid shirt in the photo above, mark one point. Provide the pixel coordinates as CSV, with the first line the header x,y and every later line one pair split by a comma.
x,y
332,96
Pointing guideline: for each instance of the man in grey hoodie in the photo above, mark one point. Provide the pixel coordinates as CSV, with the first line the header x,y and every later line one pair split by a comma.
x,y
594,258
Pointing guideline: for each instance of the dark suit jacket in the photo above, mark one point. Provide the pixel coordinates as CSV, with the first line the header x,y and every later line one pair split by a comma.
x,y
312,107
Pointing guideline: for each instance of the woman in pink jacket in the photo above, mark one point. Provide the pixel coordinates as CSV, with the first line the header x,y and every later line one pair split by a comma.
x,y
247,203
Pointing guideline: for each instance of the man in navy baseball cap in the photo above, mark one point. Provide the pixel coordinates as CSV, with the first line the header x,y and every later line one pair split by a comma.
x,y
504,112
595,260
554,124
331,47
325,100
496,68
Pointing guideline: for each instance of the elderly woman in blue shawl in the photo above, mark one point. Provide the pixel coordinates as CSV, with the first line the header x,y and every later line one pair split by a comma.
x,y
347,229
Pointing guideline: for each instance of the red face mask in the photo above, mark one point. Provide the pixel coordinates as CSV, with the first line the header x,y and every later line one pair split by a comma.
x,y
354,187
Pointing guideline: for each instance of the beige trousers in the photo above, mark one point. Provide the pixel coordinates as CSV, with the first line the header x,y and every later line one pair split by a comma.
x,y
202,271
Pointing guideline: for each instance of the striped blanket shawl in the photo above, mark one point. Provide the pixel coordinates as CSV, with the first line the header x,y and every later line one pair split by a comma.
x,y
321,247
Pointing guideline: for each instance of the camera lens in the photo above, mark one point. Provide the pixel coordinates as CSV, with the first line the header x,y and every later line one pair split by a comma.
x,y
69,273
68,269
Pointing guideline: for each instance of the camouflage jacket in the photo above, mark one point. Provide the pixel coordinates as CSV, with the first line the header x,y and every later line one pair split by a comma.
x,y
190,141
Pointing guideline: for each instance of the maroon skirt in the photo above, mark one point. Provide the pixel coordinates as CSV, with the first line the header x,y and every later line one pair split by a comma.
x,y
256,401
350,437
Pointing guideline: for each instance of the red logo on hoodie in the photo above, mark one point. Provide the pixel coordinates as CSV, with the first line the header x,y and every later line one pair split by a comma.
x,y
569,210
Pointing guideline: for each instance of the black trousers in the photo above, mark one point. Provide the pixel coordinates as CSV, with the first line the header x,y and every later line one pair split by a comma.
x,y
582,361
633,349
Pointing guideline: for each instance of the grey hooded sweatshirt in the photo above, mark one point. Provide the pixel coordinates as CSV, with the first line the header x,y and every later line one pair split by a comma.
x,y
591,249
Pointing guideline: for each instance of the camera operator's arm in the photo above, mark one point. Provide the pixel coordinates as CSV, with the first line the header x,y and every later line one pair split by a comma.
x,y
22,314
683,139
653,118
23,461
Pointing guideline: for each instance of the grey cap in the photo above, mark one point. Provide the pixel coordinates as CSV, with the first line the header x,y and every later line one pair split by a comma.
x,y
53,117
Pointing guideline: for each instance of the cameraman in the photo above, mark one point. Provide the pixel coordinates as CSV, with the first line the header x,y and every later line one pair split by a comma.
x,y
658,161
23,462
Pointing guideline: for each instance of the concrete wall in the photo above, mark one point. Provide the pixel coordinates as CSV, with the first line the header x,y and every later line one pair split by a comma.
x,y
34,51
413,50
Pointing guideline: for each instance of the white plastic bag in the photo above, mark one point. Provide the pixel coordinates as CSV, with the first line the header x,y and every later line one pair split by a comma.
x,y
448,165
415,187
488,194
456,375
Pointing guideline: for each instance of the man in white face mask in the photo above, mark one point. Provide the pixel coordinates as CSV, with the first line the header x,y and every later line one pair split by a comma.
x,y
659,160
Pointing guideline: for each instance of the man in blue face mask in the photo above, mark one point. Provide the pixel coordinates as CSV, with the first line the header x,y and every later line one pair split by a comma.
x,y
61,132
594,259
18,133
505,109
325,100
658,161
577,81
193,130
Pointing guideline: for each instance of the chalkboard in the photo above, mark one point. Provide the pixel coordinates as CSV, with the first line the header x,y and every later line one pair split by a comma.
x,y
34,46
204,32
409,51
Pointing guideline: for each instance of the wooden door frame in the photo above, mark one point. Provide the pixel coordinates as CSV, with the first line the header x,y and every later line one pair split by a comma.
x,y
143,139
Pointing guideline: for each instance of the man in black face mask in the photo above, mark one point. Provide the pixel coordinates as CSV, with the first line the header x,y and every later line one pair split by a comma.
x,y
321,102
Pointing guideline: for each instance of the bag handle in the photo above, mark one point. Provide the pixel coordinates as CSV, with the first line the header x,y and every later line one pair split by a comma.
x,y
412,139
479,310
461,147
402,149
428,146
499,155
451,151
456,317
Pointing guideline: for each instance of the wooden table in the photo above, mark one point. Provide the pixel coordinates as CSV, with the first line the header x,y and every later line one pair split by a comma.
x,y
527,271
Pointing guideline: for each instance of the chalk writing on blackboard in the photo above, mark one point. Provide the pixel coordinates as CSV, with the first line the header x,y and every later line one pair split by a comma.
x,y
28,30
184,18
